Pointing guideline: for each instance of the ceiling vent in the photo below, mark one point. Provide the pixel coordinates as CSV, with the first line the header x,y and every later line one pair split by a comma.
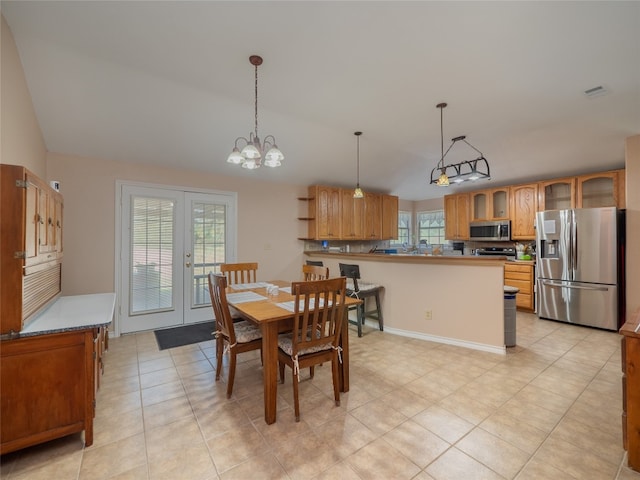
x,y
596,91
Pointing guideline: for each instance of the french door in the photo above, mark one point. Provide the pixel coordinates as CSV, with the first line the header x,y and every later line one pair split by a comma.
x,y
170,239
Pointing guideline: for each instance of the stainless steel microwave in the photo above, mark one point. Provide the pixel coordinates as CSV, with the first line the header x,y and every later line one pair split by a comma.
x,y
490,231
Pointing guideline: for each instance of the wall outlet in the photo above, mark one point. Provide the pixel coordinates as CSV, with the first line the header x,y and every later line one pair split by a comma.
x,y
428,315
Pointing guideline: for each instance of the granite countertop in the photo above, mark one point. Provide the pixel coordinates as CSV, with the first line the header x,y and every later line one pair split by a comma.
x,y
76,312
410,258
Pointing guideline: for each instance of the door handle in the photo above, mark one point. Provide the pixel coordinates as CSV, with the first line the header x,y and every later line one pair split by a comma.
x,y
578,287
188,264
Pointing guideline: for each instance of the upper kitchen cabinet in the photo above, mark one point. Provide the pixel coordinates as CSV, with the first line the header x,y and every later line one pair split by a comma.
x,y
557,194
324,212
456,216
372,216
352,216
600,190
389,217
490,204
524,205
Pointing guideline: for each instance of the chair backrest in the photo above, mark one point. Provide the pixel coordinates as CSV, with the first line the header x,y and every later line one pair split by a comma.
x,y
317,263
314,272
319,308
350,271
239,272
218,293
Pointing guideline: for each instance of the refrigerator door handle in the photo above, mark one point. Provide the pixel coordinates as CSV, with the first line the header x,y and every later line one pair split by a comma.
x,y
550,283
574,236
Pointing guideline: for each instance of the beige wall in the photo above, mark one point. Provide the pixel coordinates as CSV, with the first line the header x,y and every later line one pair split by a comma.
x,y
633,224
267,218
21,141
466,301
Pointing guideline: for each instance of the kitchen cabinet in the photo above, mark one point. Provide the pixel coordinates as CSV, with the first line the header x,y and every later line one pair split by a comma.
x,y
630,344
352,216
524,205
521,276
333,214
600,190
558,194
324,212
50,372
372,216
30,246
389,217
456,216
47,388
490,204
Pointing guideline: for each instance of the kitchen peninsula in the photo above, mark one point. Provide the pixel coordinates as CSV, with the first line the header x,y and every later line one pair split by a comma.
x,y
457,300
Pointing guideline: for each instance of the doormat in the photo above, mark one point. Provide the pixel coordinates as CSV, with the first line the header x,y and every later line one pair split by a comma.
x,y
185,335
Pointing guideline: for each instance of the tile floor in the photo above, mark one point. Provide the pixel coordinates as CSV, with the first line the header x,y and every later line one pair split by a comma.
x,y
549,409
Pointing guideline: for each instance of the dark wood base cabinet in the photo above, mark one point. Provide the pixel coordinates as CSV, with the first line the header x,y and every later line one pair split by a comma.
x,y
631,391
48,387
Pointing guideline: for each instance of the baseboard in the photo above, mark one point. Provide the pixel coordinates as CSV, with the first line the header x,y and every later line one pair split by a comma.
x,y
446,340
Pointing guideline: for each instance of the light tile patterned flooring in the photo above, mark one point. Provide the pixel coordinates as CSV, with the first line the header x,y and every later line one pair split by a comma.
x,y
549,409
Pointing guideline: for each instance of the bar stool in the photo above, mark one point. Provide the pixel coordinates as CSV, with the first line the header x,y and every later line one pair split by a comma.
x,y
362,290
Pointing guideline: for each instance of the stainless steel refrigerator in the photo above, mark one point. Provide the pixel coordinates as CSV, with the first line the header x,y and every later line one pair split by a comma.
x,y
580,266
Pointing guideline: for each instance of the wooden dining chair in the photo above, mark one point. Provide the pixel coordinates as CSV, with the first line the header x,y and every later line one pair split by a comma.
x,y
239,272
362,290
238,337
313,272
317,322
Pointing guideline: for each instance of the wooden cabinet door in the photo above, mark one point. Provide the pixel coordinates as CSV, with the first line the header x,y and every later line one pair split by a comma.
x,y
499,203
598,190
524,205
327,213
352,218
558,194
456,217
389,217
372,216
32,222
479,206
490,204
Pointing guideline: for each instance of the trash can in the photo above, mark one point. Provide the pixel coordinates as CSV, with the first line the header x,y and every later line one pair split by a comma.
x,y
510,315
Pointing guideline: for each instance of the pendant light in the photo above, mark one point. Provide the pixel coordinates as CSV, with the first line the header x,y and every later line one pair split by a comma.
x,y
469,170
252,153
358,193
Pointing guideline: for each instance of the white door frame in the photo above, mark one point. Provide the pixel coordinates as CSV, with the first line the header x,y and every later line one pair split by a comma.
x,y
231,232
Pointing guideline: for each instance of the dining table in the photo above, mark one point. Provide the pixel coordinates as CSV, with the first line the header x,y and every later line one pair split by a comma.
x,y
273,313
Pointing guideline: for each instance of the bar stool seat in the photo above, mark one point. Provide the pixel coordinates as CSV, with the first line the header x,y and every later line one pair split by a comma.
x,y
362,290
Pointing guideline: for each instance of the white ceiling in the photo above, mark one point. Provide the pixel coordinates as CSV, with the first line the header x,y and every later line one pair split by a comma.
x,y
170,83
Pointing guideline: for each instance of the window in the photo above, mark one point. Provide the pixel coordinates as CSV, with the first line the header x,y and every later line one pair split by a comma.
x,y
404,229
431,227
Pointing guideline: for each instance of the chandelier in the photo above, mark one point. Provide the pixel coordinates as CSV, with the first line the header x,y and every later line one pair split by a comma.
x,y
252,154
357,193
469,170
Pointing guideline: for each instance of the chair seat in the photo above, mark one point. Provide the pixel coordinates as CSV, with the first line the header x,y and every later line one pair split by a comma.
x,y
362,286
246,332
285,342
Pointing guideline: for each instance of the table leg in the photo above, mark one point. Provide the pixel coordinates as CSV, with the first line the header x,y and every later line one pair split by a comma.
x,y
344,343
270,370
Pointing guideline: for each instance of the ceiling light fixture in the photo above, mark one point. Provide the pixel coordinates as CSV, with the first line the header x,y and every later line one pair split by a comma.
x,y
357,193
252,153
469,170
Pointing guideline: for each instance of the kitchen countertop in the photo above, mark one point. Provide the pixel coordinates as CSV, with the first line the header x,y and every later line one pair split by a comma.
x,y
410,258
76,312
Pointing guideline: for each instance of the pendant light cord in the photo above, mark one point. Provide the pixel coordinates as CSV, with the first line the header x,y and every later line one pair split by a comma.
x,y
256,102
